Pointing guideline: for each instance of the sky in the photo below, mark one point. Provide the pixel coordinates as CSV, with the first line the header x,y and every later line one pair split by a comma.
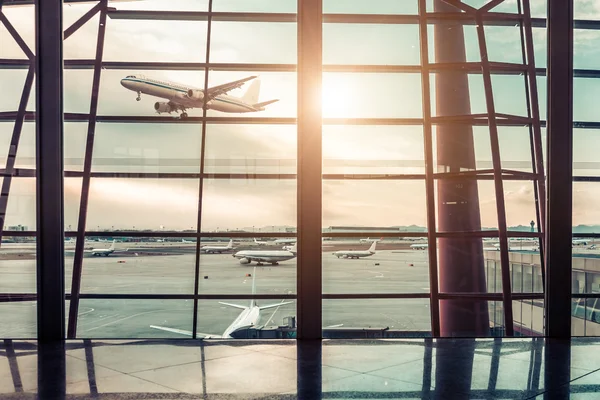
x,y
231,204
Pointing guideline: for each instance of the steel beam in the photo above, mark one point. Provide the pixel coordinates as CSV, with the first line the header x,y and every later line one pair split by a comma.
x,y
498,182
85,187
429,175
82,20
560,173
309,189
49,165
201,180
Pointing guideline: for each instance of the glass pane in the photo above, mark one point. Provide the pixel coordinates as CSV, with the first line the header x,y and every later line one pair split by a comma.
x,y
250,149
110,318
390,95
373,149
397,204
227,320
371,44
236,42
372,7
376,318
124,265
155,40
19,320
398,265
263,6
585,319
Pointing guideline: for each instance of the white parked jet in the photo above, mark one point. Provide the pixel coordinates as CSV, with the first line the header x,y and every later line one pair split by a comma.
x,y
260,242
285,241
182,97
103,252
267,256
368,240
218,249
248,318
356,253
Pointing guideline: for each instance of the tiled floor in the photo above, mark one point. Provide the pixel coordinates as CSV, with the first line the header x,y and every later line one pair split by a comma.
x,y
335,369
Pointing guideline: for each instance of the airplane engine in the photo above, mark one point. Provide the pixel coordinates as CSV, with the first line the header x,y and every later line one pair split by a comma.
x,y
162,107
195,94
244,261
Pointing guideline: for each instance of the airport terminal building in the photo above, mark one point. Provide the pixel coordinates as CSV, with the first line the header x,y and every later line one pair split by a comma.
x,y
197,170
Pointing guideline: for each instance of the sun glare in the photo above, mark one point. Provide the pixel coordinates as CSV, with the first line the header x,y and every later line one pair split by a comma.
x,y
337,98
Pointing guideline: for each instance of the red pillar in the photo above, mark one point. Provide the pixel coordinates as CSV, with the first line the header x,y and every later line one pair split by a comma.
x,y
461,264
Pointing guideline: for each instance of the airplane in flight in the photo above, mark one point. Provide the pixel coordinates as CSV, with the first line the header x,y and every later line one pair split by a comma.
x,y
272,257
248,318
356,253
103,252
181,97
218,249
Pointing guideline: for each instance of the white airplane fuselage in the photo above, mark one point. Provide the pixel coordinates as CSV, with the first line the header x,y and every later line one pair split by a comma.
x,y
247,318
353,254
218,249
179,94
260,256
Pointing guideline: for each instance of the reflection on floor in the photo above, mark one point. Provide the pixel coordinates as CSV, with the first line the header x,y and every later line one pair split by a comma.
x,y
407,369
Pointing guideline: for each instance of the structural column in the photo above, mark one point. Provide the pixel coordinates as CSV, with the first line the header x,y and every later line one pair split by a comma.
x,y
461,266
309,276
49,169
560,174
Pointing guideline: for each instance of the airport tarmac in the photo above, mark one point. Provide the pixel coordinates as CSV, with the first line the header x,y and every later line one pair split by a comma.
x,y
399,271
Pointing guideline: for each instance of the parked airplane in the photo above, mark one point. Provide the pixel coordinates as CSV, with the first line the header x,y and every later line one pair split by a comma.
x,y
368,240
576,242
218,249
103,252
181,97
260,242
285,241
356,253
419,246
248,318
268,256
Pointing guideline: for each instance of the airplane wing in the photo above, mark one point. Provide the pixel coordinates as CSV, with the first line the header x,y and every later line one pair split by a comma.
x,y
226,87
186,333
275,305
233,305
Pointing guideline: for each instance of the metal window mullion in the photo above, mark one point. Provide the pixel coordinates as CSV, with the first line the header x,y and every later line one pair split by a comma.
x,y
49,166
560,173
309,177
499,187
85,186
429,180
536,138
201,178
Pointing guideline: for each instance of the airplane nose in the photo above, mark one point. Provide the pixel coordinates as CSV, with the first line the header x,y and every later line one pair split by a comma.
x,y
125,83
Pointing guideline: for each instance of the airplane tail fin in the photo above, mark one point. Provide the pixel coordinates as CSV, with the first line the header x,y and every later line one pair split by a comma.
x,y
112,246
261,106
251,95
230,245
252,302
373,245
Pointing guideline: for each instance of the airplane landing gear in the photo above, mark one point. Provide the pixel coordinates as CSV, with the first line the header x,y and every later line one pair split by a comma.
x,y
259,264
139,97
274,263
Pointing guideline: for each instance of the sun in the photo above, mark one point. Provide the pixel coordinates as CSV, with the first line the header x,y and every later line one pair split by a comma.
x,y
337,97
